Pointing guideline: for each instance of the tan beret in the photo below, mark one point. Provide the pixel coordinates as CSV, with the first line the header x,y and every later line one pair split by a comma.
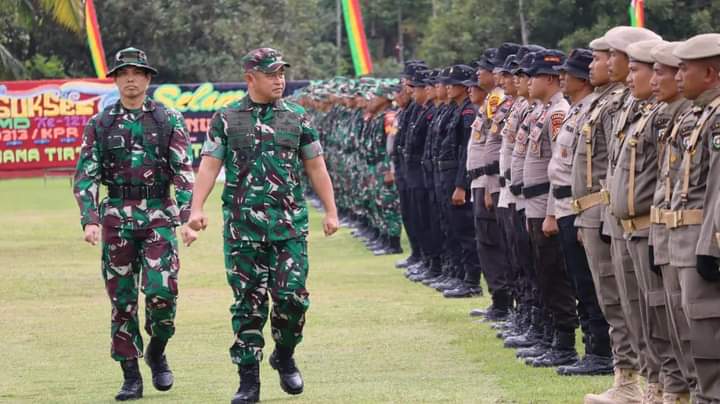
x,y
599,44
663,54
621,37
699,47
640,51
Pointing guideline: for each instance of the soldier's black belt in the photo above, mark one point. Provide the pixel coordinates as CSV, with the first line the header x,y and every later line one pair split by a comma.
x,y
562,192
507,175
447,165
502,181
536,190
137,192
413,158
492,168
476,173
516,189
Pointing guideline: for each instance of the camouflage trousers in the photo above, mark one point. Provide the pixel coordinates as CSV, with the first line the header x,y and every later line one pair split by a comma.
x,y
132,259
389,202
254,269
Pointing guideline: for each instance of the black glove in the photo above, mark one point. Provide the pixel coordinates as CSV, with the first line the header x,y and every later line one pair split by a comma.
x,y
653,267
707,267
606,239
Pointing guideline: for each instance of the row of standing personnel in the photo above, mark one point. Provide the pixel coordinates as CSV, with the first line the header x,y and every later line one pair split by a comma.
x,y
584,188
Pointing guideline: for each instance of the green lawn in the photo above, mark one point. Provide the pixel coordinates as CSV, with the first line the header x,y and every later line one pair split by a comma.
x,y
371,336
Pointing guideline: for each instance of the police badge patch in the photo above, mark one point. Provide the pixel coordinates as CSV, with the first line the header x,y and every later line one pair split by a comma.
x,y
716,142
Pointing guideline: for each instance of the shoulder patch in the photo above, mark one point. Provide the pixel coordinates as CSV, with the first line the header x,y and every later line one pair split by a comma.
x,y
715,142
556,121
468,111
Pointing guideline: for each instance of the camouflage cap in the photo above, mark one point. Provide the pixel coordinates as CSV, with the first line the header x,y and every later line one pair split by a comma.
x,y
131,57
266,60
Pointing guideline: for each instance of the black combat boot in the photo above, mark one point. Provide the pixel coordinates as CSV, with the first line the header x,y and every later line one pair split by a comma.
x,y
532,336
290,378
249,390
404,263
500,306
597,360
393,246
162,376
379,245
132,387
463,290
562,352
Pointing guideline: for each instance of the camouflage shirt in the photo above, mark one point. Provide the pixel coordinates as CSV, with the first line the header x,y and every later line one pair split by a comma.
x,y
262,147
136,162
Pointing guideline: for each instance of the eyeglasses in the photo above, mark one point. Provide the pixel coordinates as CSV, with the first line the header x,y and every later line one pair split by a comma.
x,y
131,56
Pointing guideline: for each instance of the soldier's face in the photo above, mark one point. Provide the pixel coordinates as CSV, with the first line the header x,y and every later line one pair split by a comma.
x,y
508,84
419,94
441,91
486,79
639,80
663,83
599,68
267,87
456,91
477,95
536,87
430,92
618,66
571,84
522,83
132,82
695,76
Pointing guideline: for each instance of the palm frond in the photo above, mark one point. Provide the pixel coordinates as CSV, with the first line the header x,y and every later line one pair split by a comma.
x,y
68,13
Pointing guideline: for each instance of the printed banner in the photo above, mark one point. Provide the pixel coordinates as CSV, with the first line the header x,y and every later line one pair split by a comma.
x,y
41,122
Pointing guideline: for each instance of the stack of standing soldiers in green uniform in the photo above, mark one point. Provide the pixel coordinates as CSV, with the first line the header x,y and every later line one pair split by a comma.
x,y
584,187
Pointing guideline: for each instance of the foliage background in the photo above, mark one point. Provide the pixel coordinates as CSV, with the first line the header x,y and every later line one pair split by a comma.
x,y
201,40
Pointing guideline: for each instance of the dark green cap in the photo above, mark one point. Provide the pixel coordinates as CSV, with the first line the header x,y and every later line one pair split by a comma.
x,y
266,60
131,57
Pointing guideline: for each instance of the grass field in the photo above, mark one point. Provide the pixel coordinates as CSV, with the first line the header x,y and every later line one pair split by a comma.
x,y
371,336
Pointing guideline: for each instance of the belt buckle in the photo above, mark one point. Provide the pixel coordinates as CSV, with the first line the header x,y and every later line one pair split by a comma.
x,y
605,195
576,205
628,225
671,219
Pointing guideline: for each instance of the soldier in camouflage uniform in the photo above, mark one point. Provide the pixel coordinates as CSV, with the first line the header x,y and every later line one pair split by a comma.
x,y
264,142
137,148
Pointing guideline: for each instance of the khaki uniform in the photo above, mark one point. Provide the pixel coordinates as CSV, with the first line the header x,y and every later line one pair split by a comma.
x,y
692,191
632,191
591,163
668,164
624,119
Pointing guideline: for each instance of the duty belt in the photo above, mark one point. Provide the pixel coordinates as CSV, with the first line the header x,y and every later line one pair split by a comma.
x,y
492,168
590,201
137,192
657,215
516,189
447,164
476,173
502,181
562,192
536,190
684,217
636,223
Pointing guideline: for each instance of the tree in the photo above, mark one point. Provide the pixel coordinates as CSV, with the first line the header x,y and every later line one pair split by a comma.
x,y
23,14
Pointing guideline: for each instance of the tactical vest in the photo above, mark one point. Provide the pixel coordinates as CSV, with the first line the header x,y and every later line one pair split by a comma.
x,y
241,138
116,147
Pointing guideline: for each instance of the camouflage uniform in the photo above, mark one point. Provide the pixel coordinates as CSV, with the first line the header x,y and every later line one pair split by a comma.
x,y
265,218
137,154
